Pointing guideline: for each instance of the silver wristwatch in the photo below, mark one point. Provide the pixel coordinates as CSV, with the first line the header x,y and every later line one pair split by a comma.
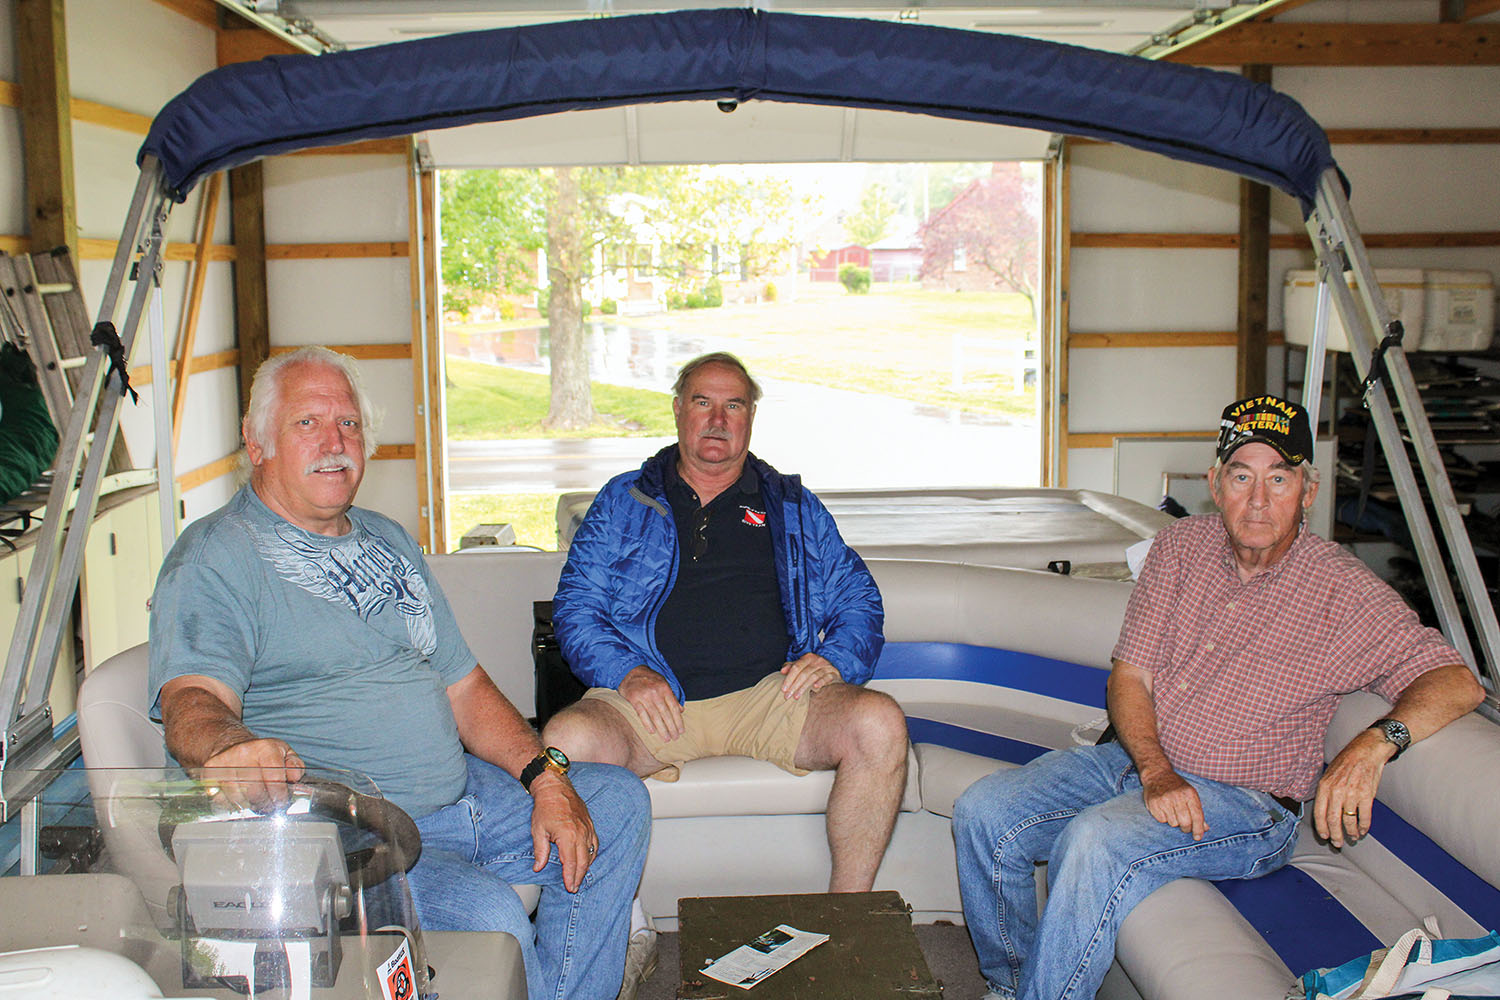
x,y
1395,733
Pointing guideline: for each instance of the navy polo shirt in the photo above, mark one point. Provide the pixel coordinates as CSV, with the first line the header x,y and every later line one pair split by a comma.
x,y
722,627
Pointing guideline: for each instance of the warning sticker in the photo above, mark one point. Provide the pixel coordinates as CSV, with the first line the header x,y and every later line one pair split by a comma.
x,y
396,980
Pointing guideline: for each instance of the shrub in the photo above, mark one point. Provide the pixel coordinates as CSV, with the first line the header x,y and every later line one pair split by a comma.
x,y
675,300
855,278
609,307
713,293
543,299
769,294
508,309
695,300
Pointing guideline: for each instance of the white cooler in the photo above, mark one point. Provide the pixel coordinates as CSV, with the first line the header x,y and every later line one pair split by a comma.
x,y
1405,293
1459,311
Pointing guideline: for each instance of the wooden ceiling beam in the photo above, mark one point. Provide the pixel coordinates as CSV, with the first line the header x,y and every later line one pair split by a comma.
x,y
1479,8
1297,44
205,12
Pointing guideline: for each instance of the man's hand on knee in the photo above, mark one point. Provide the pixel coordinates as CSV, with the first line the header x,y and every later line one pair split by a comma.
x,y
808,672
558,816
653,700
1171,800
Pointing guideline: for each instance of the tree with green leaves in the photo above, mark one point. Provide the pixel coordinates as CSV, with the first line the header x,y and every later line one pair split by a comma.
x,y
700,222
870,221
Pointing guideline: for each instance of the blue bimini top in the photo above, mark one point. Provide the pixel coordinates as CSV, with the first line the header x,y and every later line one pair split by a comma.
x,y
283,103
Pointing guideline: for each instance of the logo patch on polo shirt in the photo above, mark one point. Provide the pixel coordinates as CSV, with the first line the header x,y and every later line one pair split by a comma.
x,y
754,518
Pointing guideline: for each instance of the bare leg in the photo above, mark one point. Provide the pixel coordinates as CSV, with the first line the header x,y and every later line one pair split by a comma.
x,y
592,730
861,734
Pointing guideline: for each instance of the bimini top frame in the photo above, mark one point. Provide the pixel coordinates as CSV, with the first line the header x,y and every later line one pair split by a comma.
x,y
242,112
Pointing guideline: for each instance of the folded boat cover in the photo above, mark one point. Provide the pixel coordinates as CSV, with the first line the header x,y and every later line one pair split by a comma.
x,y
282,103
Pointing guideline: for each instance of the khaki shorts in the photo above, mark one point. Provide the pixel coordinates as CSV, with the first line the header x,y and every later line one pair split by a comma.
x,y
753,722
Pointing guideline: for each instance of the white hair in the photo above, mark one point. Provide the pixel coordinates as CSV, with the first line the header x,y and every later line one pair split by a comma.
x,y
265,395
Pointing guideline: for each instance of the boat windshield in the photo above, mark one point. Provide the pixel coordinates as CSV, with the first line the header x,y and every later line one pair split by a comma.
x,y
215,884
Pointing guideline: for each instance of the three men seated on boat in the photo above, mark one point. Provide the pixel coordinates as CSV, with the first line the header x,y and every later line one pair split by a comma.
x,y
1241,635
291,628
714,607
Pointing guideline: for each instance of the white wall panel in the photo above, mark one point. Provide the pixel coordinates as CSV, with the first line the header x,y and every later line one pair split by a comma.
x,y
215,310
207,498
1148,388
1405,97
105,180
390,487
135,56
1398,189
1090,468
1116,189
339,301
335,198
214,419
1124,290
388,384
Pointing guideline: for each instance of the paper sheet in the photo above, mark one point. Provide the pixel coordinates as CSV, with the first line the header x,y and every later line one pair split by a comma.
x,y
760,957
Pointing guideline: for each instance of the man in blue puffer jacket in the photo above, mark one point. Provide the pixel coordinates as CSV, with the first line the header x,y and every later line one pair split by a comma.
x,y
713,609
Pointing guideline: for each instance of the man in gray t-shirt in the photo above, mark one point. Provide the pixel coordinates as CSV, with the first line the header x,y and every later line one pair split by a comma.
x,y
291,628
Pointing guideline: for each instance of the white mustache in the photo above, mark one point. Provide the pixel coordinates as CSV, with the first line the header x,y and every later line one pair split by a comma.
x,y
330,463
717,433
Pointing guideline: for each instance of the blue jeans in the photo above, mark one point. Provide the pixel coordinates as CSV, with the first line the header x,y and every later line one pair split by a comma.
x,y
474,850
1081,811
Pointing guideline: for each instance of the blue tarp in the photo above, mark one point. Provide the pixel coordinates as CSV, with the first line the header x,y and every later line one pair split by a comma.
x,y
245,111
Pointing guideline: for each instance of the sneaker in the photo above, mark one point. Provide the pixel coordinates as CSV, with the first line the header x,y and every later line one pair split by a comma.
x,y
640,962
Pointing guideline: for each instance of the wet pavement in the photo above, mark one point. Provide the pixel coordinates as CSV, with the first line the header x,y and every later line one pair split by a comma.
x,y
835,438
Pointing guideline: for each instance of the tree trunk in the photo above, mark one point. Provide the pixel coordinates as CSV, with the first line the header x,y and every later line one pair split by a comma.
x,y
572,407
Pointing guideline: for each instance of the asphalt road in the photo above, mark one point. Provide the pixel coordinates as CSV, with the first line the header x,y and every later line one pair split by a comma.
x,y
836,439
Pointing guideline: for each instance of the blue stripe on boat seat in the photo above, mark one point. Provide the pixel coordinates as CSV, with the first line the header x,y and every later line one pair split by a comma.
x,y
1447,874
986,665
1300,920
972,741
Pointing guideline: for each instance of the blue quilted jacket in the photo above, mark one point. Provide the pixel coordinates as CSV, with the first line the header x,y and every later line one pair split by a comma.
x,y
622,564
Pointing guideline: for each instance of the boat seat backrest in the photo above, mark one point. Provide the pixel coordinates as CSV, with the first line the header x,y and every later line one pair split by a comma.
x,y
1443,786
114,724
491,591
1028,611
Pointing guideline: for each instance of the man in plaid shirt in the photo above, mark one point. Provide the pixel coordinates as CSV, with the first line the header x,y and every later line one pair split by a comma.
x,y
1241,636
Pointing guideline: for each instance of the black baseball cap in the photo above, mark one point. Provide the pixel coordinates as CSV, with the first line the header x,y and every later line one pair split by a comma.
x,y
1269,420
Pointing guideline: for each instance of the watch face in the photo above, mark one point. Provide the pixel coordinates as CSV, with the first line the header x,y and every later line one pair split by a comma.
x,y
558,757
1397,732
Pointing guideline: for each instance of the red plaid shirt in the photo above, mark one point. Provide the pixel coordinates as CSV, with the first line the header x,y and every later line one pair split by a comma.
x,y
1245,676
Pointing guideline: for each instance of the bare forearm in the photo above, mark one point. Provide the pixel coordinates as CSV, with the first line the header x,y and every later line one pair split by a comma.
x,y
199,726
1436,698
489,725
1133,714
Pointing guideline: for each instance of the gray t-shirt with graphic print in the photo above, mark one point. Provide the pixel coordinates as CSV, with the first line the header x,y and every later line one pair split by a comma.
x,y
343,647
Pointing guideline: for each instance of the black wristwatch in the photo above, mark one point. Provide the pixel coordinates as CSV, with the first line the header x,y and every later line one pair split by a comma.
x,y
551,759
1395,733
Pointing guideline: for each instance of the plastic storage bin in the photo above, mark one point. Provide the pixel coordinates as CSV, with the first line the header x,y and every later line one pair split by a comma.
x,y
1404,290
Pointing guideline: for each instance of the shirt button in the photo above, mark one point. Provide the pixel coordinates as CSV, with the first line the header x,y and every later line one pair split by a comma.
x,y
1182,685
1229,606
1209,648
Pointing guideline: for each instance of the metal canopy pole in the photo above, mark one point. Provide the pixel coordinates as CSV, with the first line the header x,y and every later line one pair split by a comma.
x,y
1338,243
1312,378
27,726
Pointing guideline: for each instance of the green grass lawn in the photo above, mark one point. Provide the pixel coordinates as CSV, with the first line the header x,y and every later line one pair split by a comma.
x,y
896,341
532,515
491,403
